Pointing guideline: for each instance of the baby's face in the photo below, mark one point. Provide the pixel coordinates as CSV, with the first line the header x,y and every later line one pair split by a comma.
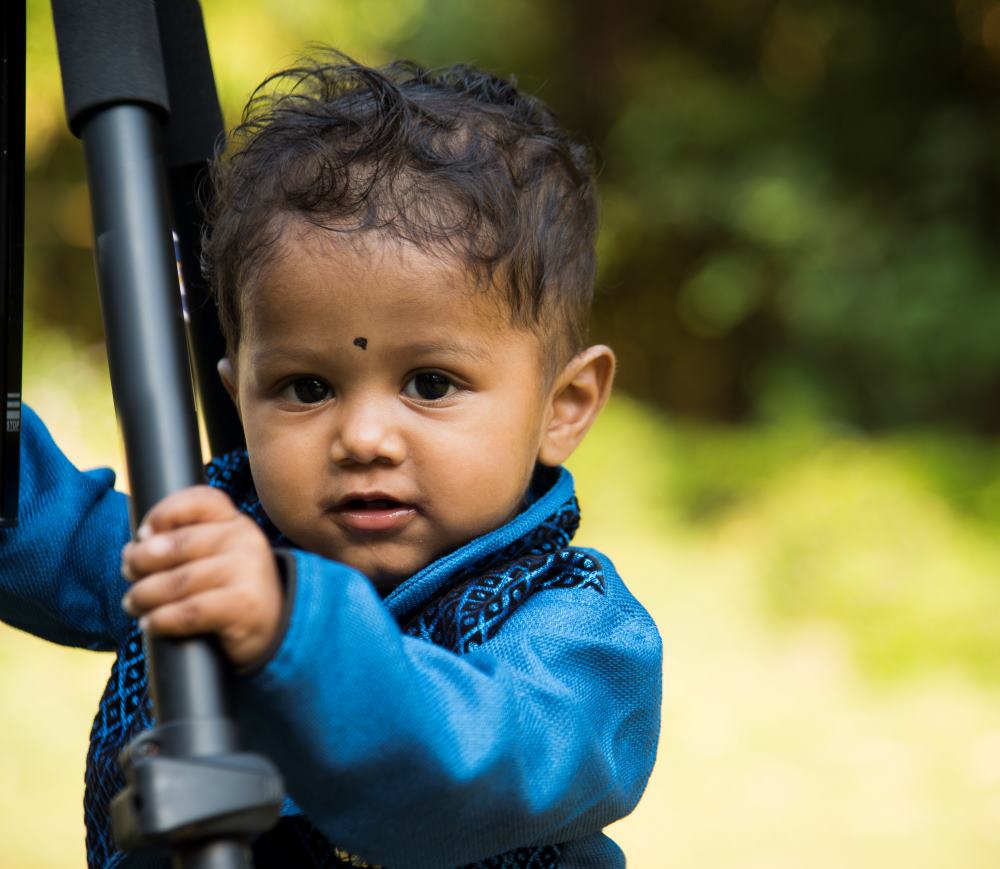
x,y
391,412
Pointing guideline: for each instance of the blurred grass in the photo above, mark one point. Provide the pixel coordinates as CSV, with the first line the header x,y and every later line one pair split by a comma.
x,y
829,607
830,616
893,540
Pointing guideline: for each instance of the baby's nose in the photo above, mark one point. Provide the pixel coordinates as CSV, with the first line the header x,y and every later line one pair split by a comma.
x,y
368,432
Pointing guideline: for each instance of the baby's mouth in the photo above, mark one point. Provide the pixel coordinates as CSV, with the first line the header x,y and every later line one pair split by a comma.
x,y
374,504
375,513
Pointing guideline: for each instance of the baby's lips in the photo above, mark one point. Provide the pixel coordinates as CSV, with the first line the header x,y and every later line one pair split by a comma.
x,y
361,497
379,515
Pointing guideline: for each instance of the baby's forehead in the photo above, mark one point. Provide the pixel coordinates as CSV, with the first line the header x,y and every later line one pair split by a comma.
x,y
344,261
383,285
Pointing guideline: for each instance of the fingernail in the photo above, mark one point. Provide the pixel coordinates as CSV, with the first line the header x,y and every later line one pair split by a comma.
x,y
127,572
127,605
143,532
143,623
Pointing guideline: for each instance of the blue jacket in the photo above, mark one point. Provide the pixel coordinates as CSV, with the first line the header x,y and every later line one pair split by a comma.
x,y
502,701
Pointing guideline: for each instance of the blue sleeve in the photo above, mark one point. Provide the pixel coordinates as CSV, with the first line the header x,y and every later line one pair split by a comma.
x,y
407,754
60,566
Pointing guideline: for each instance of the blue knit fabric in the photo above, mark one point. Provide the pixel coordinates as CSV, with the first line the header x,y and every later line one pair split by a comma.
x,y
526,666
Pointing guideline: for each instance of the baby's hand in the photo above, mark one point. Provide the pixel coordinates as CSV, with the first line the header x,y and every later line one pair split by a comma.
x,y
202,567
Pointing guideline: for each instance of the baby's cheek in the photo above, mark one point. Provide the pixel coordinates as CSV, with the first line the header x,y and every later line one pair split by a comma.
x,y
280,495
484,504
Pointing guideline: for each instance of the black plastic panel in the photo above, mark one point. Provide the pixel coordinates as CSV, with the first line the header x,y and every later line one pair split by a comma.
x,y
11,250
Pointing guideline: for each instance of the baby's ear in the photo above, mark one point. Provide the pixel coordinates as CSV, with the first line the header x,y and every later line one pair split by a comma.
x,y
578,394
227,371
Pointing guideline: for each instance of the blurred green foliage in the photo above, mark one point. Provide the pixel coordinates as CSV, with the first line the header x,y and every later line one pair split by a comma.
x,y
799,198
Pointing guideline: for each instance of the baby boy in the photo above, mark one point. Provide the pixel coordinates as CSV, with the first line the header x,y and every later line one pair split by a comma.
x,y
403,262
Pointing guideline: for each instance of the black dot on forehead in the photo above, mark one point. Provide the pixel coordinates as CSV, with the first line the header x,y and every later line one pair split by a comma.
x,y
361,342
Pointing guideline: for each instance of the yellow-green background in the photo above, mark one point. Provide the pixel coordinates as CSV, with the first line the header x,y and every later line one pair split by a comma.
x,y
826,583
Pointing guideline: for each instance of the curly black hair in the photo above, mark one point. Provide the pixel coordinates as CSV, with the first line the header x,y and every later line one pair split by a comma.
x,y
455,161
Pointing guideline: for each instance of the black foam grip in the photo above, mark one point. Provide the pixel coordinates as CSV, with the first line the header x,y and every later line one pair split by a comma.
x,y
195,126
109,52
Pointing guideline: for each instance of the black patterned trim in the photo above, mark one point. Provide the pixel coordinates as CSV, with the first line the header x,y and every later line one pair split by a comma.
x,y
470,614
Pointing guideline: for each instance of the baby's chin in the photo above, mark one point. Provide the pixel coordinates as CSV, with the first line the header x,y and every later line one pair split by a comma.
x,y
385,563
385,575
385,580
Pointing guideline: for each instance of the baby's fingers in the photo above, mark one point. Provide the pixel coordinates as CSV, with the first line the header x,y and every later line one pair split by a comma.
x,y
170,549
171,586
204,613
187,507
242,619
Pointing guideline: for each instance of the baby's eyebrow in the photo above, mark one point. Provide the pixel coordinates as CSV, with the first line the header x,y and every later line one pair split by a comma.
x,y
268,358
447,348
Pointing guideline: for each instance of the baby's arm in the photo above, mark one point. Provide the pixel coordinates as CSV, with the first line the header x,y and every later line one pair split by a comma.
x,y
59,567
408,754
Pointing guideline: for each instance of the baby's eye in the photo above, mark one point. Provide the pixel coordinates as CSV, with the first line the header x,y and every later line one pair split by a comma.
x,y
428,386
307,390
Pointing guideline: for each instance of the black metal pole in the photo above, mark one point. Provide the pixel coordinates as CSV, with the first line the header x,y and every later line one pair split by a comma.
x,y
149,374
193,135
140,302
116,101
222,424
